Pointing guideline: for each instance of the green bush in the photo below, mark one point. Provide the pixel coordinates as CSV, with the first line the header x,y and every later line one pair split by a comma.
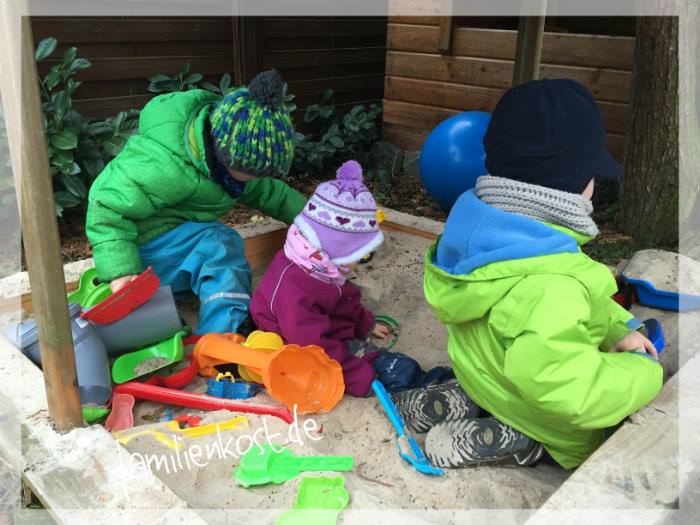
x,y
78,147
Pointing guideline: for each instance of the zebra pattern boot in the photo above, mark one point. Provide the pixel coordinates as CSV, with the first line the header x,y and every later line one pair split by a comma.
x,y
483,441
423,408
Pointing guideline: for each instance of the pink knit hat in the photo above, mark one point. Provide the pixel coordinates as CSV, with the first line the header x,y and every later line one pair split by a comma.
x,y
341,217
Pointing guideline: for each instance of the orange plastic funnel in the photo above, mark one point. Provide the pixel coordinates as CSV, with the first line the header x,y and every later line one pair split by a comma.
x,y
209,355
294,375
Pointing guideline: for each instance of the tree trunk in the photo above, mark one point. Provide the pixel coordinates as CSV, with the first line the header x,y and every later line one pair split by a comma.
x,y
649,186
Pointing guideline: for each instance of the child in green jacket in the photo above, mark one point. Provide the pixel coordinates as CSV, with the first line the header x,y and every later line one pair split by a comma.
x,y
535,338
158,202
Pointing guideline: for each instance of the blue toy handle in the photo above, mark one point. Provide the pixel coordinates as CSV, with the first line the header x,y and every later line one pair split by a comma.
x,y
389,407
655,333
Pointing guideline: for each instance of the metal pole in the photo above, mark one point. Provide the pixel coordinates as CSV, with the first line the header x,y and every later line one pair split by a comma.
x,y
39,228
528,49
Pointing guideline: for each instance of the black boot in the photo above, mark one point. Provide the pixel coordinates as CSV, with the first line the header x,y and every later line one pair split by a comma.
x,y
482,441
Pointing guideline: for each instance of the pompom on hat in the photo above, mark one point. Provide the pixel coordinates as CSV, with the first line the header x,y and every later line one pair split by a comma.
x,y
252,128
341,217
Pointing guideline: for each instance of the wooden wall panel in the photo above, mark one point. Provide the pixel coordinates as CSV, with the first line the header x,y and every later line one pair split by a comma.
x,y
423,87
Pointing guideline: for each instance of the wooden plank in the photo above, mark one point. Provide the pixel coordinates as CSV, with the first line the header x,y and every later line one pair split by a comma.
x,y
424,118
248,48
40,239
528,47
338,85
605,84
143,67
472,98
557,48
409,139
415,20
316,57
106,107
174,49
305,27
77,30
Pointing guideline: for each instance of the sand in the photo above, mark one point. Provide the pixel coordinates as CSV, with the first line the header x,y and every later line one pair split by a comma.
x,y
391,284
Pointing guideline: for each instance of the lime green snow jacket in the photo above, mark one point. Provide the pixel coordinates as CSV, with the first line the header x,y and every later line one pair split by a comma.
x,y
530,318
161,179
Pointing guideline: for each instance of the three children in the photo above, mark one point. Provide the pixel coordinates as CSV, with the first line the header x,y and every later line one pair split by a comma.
x,y
544,359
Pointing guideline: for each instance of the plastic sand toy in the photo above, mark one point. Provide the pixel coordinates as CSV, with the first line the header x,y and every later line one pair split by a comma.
x,y
406,443
319,501
210,356
200,401
304,377
179,379
149,359
125,301
168,432
655,333
225,386
267,341
121,416
262,465
94,413
395,327
90,291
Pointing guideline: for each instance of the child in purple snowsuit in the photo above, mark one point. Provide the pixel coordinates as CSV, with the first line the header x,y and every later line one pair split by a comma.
x,y
304,296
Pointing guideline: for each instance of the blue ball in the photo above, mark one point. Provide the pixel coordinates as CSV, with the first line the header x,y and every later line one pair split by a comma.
x,y
453,156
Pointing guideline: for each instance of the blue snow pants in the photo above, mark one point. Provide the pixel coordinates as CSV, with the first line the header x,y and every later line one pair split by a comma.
x,y
207,259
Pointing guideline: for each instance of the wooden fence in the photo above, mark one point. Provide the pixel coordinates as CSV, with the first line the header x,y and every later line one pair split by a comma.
x,y
343,54
424,87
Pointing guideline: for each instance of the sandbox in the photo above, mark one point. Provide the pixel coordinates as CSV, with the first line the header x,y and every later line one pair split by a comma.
x,y
381,483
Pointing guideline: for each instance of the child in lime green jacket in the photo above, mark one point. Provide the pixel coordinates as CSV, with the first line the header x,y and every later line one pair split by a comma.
x,y
158,202
535,338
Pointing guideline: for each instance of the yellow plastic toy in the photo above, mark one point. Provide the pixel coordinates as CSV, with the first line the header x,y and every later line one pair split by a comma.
x,y
266,341
167,431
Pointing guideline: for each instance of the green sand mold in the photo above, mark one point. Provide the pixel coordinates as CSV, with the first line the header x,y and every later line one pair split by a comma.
x,y
94,413
90,291
134,364
263,464
319,501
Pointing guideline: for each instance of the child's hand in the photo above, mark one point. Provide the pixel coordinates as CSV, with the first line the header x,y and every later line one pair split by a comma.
x,y
635,342
120,282
381,331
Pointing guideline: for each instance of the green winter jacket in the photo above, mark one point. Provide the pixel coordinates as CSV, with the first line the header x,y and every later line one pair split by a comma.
x,y
161,179
530,318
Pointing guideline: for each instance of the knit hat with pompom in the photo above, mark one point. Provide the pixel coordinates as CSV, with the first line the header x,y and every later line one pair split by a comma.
x,y
341,217
252,129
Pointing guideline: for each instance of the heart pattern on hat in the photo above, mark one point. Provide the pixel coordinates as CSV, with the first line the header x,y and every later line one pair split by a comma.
x,y
342,220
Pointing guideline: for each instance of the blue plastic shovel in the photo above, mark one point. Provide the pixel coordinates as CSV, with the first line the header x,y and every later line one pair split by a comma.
x,y
408,448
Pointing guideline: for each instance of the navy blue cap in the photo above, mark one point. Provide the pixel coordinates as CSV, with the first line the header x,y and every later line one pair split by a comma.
x,y
550,133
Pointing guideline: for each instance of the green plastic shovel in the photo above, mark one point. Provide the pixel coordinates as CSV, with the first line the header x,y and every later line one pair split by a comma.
x,y
319,501
135,364
267,466
90,291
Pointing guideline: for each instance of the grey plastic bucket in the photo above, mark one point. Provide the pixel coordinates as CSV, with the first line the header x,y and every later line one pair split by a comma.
x,y
154,321
94,381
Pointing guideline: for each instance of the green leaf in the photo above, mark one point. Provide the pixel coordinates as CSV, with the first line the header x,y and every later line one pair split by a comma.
x,y
185,69
99,128
311,113
70,169
160,77
114,144
119,120
156,87
69,55
66,199
61,104
93,166
79,63
327,94
44,48
73,184
225,83
210,87
51,80
337,142
193,78
64,139
62,157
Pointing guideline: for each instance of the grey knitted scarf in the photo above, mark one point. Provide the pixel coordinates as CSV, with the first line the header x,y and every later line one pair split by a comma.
x,y
544,204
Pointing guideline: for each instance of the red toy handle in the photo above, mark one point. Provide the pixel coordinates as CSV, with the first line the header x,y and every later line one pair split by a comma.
x,y
201,401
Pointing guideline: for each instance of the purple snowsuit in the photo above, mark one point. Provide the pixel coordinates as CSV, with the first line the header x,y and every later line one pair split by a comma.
x,y
306,311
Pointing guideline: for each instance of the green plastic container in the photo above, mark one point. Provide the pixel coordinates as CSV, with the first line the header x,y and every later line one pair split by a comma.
x,y
90,291
135,364
319,501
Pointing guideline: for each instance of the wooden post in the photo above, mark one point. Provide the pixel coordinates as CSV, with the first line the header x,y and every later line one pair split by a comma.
x,y
248,48
39,226
529,46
